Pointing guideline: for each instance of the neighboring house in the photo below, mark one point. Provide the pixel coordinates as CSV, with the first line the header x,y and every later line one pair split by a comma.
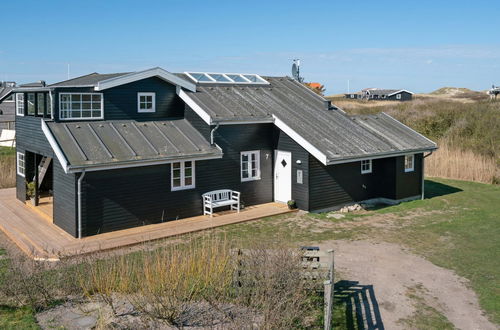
x,y
128,149
7,107
381,94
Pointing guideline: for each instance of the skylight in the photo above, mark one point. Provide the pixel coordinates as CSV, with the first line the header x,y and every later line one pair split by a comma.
x,y
226,78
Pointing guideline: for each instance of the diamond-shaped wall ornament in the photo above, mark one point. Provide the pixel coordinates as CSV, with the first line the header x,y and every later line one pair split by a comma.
x,y
284,163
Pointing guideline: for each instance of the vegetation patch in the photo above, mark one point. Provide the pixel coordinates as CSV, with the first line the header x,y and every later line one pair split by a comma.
x,y
426,316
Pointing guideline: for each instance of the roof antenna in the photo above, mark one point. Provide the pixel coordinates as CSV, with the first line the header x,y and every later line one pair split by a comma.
x,y
296,70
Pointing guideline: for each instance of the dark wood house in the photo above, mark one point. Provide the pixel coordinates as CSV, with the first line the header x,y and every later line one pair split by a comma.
x,y
381,94
128,149
7,106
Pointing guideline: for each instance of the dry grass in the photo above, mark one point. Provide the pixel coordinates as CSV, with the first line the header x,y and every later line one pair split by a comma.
x,y
7,171
202,280
453,163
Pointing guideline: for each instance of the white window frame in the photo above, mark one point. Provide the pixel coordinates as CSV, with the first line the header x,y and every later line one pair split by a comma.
x,y
153,97
249,168
183,185
364,168
398,96
407,161
82,118
18,162
17,104
9,98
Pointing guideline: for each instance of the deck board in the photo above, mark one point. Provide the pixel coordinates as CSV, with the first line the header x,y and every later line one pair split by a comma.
x,y
40,239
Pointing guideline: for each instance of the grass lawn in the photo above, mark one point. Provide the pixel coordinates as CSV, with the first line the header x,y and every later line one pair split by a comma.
x,y
7,151
457,227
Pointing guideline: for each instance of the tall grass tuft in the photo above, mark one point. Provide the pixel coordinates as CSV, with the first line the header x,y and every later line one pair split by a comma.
x,y
7,171
453,163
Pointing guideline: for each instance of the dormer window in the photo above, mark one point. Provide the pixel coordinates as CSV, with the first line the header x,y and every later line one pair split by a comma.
x,y
146,102
83,106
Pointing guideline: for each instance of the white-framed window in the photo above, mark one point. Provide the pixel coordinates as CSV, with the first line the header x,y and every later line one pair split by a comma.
x,y
352,96
20,104
366,166
398,96
40,104
250,165
409,163
80,106
146,102
30,98
182,175
9,98
21,164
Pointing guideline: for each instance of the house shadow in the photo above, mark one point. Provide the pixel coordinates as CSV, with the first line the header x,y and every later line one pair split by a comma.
x,y
360,304
435,189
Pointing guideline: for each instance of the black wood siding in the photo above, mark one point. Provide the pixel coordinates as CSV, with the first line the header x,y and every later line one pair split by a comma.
x,y
65,199
408,184
29,135
121,102
343,183
300,192
197,122
124,198
31,140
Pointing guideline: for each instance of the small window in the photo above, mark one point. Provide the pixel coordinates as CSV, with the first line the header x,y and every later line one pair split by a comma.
x,y
352,96
20,104
20,164
48,104
146,102
366,166
182,174
9,98
398,96
40,104
31,104
250,165
409,163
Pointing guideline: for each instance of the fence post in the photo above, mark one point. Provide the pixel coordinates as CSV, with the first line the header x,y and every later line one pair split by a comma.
x,y
329,291
328,304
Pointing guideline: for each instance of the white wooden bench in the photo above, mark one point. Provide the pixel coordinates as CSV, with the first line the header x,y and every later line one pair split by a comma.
x,y
219,198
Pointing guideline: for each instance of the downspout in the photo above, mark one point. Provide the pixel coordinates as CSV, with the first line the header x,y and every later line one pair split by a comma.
x,y
423,172
212,134
80,180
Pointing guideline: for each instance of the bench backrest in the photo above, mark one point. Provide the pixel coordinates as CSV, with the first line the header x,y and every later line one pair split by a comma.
x,y
219,195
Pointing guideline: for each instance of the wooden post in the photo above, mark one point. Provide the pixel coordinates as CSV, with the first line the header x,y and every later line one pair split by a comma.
x,y
328,304
329,292
36,181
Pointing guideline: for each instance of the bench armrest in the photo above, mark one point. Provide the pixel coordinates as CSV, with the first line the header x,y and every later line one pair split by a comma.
x,y
207,198
235,195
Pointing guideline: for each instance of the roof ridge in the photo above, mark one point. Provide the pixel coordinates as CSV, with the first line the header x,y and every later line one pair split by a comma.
x,y
63,81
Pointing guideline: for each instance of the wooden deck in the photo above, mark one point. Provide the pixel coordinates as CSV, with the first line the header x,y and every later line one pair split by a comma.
x,y
42,240
45,208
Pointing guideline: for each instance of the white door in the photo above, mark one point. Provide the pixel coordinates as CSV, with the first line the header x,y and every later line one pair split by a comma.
x,y
283,176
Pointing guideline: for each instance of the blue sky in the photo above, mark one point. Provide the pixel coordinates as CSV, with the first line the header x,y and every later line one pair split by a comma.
x,y
418,45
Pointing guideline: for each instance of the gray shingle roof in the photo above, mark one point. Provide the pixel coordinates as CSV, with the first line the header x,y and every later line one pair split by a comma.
x,y
116,143
88,80
393,132
335,134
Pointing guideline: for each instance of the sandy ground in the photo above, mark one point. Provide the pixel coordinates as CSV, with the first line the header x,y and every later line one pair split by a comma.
x,y
394,271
